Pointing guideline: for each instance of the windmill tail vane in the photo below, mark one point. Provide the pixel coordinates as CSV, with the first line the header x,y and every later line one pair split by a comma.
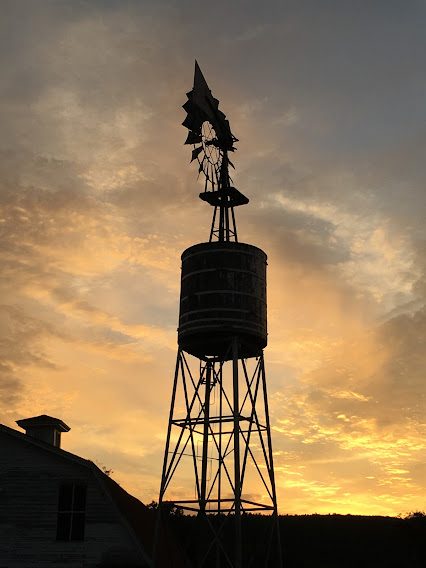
x,y
202,107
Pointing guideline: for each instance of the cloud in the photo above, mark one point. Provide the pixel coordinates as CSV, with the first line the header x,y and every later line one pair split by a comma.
x,y
365,405
98,200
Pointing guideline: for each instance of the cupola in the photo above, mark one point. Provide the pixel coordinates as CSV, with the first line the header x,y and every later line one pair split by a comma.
x,y
45,428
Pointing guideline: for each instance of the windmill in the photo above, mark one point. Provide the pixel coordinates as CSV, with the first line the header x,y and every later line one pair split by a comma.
x,y
219,433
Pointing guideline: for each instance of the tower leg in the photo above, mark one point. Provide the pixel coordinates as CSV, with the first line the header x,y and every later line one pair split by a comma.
x,y
271,468
206,426
237,467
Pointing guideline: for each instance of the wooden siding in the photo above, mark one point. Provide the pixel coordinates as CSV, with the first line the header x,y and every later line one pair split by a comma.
x,y
29,483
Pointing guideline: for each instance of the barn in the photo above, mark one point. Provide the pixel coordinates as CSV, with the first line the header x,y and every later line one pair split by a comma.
x,y
58,509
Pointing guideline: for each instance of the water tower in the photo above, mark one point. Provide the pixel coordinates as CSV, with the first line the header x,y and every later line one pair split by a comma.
x,y
219,434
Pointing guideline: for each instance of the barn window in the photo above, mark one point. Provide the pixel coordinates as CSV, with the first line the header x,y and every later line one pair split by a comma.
x,y
71,512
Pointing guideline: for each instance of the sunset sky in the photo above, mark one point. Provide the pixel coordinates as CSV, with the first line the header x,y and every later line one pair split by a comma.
x,y
98,201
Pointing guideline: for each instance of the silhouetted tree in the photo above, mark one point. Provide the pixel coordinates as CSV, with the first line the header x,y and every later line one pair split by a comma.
x,y
104,469
168,507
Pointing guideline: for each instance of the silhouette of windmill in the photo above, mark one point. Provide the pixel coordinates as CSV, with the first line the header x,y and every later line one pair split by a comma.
x,y
219,431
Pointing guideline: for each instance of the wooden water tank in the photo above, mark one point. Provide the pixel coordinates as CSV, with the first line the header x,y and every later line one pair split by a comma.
x,y
223,295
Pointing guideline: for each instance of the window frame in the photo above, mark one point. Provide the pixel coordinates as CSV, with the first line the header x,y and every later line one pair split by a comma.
x,y
71,512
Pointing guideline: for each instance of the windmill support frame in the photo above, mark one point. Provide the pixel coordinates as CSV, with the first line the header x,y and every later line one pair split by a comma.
x,y
227,433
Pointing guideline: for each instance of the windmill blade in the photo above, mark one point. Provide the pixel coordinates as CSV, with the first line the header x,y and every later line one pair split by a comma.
x,y
193,122
193,138
200,169
195,153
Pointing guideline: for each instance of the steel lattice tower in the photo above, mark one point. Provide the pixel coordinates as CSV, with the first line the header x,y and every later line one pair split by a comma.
x,y
219,432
